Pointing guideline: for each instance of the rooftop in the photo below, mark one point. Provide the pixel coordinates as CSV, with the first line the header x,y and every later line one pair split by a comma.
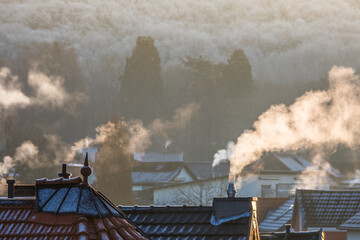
x,y
65,209
311,235
226,219
276,220
320,208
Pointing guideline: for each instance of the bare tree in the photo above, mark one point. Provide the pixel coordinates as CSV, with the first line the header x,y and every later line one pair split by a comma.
x,y
197,193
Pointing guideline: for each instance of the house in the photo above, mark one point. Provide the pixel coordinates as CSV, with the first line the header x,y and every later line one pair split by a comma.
x,y
155,169
227,218
288,235
315,209
277,219
64,209
352,226
274,175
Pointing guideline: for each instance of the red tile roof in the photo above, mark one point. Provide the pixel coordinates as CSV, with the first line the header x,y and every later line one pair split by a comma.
x,y
22,222
65,209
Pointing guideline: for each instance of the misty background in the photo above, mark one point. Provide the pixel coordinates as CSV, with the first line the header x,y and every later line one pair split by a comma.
x,y
133,75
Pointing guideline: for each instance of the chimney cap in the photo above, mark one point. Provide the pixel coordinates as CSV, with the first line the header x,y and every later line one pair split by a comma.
x,y
10,181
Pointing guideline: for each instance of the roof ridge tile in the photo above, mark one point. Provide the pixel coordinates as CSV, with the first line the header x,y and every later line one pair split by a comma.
x,y
55,181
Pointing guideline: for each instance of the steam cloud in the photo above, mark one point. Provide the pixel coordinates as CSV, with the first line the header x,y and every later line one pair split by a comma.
x,y
140,136
303,37
49,90
318,120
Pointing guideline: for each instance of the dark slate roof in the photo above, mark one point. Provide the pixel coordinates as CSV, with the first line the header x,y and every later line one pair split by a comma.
x,y
269,163
320,208
204,170
68,196
276,220
158,172
158,157
194,222
352,223
313,235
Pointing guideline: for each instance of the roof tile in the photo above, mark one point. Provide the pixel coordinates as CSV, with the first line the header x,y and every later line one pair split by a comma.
x,y
322,208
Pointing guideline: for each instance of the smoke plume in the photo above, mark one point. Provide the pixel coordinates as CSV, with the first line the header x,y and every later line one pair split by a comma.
x,y
49,91
140,135
318,120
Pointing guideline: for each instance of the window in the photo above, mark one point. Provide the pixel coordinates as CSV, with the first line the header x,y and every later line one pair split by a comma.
x,y
267,191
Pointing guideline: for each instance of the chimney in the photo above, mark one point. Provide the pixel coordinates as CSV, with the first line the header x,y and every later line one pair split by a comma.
x,y
64,174
231,192
287,231
10,183
228,209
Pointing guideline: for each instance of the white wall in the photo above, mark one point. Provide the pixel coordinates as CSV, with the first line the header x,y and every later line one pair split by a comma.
x,y
353,235
191,193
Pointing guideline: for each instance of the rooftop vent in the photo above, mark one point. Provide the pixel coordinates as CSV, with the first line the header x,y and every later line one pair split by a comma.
x,y
64,174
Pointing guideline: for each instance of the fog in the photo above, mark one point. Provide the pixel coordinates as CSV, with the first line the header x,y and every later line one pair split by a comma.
x,y
63,65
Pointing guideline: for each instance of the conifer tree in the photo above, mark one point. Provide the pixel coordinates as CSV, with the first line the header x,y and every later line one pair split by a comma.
x,y
141,92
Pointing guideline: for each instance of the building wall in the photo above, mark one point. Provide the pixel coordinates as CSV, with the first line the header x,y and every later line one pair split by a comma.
x,y
352,235
252,187
191,193
338,236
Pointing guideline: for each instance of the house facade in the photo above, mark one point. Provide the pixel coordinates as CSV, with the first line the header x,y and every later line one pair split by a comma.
x,y
275,175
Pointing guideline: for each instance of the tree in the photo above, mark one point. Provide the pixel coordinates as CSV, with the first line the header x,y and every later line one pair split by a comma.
x,y
195,193
141,92
114,164
237,77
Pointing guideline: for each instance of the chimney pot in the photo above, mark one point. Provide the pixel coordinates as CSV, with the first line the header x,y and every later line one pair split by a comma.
x,y
231,192
64,174
10,183
287,228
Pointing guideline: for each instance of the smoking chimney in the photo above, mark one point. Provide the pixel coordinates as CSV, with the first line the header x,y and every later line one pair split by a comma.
x,y
10,183
231,192
64,174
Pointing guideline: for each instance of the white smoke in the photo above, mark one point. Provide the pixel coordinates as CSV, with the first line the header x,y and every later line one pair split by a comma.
x,y
49,91
303,37
10,91
140,135
318,120
223,155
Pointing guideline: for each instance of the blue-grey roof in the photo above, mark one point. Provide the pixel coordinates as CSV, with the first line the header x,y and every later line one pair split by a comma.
x,y
276,220
154,177
352,223
159,157
321,208
72,198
